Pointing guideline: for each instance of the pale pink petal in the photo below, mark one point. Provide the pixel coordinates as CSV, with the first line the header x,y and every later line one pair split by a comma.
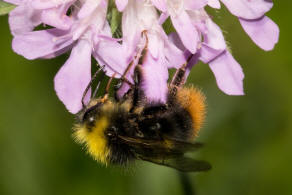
x,y
264,32
88,8
89,25
214,36
131,31
23,19
154,79
160,4
208,54
248,9
121,4
214,4
57,17
174,55
187,32
163,16
15,2
195,4
192,62
174,38
74,76
124,89
39,44
228,73
45,4
154,45
104,51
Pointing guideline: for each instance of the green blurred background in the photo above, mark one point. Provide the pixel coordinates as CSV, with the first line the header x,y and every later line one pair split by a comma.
x,y
248,139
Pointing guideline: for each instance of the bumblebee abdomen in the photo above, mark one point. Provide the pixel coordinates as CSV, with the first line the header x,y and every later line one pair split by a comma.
x,y
193,101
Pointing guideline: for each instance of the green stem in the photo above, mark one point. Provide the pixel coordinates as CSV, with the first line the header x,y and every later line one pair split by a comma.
x,y
186,183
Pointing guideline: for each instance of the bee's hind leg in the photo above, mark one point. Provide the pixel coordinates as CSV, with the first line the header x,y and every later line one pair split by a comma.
x,y
138,93
177,81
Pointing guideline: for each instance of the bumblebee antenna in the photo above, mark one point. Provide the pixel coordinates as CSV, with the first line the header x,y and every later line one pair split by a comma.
x,y
108,85
97,86
89,84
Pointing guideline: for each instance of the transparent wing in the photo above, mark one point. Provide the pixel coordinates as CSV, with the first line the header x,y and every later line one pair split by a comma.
x,y
164,146
168,153
180,163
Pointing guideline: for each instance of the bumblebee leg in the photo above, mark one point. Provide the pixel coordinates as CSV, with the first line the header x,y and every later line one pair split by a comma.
x,y
123,78
179,78
177,81
89,85
138,94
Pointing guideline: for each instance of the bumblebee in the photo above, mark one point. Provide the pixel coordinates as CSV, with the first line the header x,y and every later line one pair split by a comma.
x,y
119,131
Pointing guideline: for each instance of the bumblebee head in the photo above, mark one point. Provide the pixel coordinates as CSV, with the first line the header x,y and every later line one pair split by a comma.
x,y
93,121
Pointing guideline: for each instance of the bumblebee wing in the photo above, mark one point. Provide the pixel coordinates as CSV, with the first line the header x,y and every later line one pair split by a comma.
x,y
168,146
170,155
180,163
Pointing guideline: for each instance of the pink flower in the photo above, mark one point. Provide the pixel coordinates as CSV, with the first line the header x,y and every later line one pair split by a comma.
x,y
162,54
83,31
200,36
81,26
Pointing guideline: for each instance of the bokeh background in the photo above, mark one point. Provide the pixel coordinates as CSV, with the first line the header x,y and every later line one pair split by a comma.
x,y
248,139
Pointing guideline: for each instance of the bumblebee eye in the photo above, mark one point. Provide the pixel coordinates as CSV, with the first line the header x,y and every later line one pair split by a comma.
x,y
113,129
139,133
112,132
156,126
91,114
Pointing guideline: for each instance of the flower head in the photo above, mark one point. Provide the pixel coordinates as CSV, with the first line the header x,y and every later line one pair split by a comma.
x,y
82,27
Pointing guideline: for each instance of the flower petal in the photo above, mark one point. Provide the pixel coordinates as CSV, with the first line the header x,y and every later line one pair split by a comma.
x,y
154,79
207,53
88,8
228,73
160,4
104,51
264,32
192,62
40,44
214,37
45,4
74,76
57,17
248,9
23,19
214,4
121,4
15,2
131,30
174,55
124,89
194,5
155,44
187,32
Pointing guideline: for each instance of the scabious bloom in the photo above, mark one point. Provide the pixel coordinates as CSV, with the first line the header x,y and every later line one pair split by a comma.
x,y
202,37
82,27
83,30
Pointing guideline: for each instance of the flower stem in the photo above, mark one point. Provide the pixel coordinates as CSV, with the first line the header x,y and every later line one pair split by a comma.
x,y
186,183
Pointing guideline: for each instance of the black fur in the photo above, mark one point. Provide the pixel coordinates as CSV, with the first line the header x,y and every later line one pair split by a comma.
x,y
153,123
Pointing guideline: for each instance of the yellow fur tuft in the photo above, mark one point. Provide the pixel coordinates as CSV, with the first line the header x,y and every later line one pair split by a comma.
x,y
193,100
94,139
